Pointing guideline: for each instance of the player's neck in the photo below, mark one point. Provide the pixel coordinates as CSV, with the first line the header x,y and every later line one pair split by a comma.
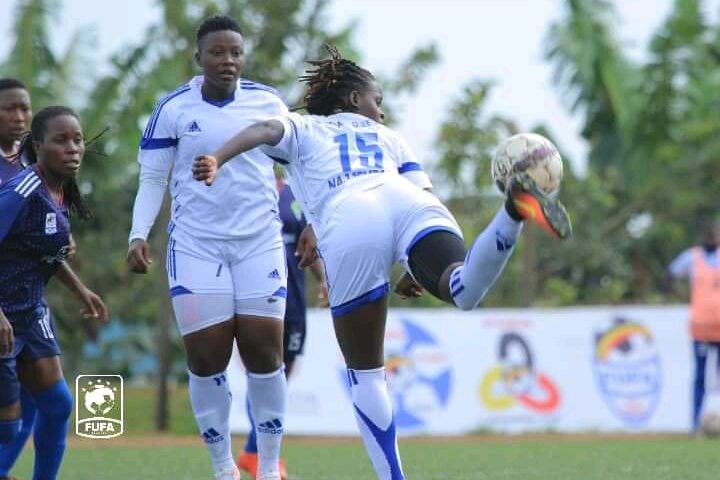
x,y
216,94
53,183
7,147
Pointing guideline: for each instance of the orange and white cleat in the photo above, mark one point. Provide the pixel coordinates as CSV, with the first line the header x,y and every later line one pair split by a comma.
x,y
231,473
530,203
248,462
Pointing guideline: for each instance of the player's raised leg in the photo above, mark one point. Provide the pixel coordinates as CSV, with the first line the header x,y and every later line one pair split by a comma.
x,y
438,260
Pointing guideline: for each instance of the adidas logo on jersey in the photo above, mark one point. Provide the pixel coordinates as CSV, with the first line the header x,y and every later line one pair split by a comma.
x,y
274,274
194,127
271,426
212,436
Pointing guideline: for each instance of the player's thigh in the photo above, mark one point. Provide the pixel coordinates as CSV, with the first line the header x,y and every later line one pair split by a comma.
x,y
259,280
201,285
356,246
38,362
361,334
39,374
416,213
208,350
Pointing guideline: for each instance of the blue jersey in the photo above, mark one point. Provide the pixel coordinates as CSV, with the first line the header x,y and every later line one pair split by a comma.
x,y
293,224
8,169
34,241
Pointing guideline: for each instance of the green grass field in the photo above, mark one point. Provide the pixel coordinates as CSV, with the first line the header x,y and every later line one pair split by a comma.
x,y
477,458
141,454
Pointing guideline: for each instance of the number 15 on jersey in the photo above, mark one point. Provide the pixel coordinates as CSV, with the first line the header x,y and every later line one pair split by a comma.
x,y
358,149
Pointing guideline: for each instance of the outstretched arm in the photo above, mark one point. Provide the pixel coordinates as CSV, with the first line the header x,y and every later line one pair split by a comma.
x,y
268,132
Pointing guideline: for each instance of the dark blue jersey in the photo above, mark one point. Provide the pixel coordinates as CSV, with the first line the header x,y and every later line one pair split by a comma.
x,y
8,169
293,223
34,240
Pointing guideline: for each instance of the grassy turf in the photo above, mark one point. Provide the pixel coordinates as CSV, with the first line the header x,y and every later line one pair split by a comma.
x,y
588,459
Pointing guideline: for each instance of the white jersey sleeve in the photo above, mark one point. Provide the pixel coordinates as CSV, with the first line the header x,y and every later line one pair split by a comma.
x,y
408,165
156,158
287,150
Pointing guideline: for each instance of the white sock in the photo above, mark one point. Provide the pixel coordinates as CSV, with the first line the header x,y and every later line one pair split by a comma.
x,y
210,399
470,282
267,393
374,415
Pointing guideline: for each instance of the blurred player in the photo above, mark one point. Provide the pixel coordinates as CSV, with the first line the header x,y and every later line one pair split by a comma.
x,y
701,266
15,116
363,192
225,260
293,224
34,242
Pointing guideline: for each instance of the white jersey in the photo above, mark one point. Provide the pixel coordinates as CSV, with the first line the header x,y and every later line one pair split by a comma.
x,y
242,202
329,158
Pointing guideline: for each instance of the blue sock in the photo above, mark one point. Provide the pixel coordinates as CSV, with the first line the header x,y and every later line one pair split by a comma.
x,y
9,430
54,406
10,452
251,442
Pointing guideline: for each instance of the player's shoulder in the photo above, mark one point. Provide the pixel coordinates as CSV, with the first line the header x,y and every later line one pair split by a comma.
x,y
260,89
174,97
23,185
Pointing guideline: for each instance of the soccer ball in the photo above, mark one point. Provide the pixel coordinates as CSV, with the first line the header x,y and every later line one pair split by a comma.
x,y
531,153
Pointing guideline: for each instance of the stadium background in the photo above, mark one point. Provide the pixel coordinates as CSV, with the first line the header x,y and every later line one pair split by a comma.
x,y
642,180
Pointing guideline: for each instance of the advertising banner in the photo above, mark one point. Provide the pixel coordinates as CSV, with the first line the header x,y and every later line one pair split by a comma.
x,y
605,369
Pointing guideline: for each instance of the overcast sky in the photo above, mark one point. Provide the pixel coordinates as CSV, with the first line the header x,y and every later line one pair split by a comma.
x,y
501,40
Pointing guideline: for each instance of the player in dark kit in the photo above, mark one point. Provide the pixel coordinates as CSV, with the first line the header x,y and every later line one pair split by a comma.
x,y
293,223
15,116
34,242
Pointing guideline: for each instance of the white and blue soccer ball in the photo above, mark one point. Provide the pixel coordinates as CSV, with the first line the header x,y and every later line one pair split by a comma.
x,y
531,153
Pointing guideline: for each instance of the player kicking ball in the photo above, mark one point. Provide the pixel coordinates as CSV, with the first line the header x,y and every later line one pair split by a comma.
x,y
368,200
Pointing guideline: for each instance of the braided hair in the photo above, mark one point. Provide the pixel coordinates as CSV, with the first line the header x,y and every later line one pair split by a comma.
x,y
74,200
331,82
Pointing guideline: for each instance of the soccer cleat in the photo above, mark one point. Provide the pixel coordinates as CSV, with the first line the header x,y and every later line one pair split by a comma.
x,y
231,473
249,463
530,203
283,470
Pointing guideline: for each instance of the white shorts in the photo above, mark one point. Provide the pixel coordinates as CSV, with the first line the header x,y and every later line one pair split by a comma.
x,y
213,280
368,232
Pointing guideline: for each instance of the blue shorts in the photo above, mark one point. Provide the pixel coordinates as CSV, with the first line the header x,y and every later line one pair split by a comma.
x,y
293,338
34,338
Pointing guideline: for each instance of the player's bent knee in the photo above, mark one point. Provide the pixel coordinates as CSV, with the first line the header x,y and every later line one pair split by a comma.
x,y
430,258
55,401
9,429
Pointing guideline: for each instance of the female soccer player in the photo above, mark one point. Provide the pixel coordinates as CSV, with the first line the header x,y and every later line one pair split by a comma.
x,y
34,242
225,258
15,114
355,180
293,224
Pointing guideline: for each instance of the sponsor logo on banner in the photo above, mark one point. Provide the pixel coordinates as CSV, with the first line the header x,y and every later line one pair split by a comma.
x,y
628,371
418,372
516,382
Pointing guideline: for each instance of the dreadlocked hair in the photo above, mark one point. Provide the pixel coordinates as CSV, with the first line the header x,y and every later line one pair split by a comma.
x,y
331,82
74,200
